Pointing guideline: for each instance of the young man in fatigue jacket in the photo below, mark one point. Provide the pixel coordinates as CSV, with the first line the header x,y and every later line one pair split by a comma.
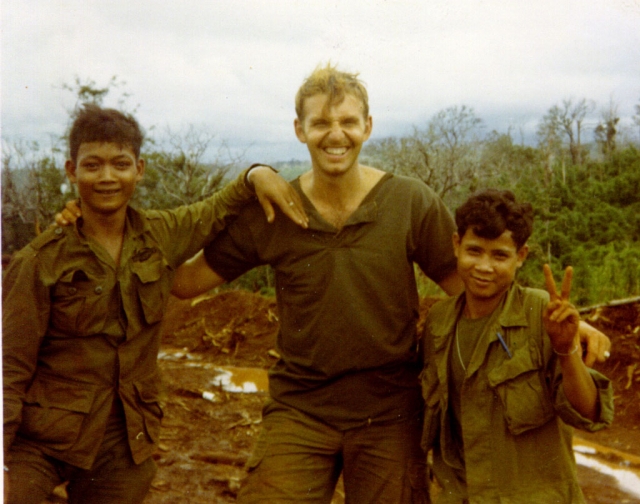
x,y
81,314
504,381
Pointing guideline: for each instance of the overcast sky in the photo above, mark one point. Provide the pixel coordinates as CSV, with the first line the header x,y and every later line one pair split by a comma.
x,y
234,67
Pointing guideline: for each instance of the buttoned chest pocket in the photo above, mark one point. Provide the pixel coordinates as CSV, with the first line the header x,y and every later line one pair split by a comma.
x,y
520,384
79,304
153,278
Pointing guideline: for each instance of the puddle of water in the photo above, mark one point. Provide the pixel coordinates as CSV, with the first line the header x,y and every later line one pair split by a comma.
x,y
241,380
627,480
172,355
626,472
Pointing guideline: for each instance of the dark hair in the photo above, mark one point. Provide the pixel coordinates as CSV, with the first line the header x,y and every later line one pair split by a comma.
x,y
491,212
95,124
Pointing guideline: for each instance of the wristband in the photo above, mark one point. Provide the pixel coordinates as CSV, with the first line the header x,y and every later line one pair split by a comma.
x,y
247,182
568,353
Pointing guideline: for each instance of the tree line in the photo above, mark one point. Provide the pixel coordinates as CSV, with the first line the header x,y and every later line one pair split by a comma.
x,y
586,194
584,183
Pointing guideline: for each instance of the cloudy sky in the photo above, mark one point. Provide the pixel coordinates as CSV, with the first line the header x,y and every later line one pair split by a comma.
x,y
233,67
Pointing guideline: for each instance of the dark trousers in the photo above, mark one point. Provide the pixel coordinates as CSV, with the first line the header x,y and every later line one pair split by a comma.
x,y
114,478
298,459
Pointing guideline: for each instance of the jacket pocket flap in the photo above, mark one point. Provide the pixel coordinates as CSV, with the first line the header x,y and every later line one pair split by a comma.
x,y
524,360
150,270
76,397
148,389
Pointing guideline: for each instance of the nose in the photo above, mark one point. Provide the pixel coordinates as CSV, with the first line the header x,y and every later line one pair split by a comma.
x,y
108,173
335,130
483,263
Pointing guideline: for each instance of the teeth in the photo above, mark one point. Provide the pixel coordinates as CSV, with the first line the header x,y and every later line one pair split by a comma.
x,y
336,151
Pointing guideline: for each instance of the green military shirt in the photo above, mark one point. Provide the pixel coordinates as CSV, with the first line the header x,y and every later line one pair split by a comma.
x,y
513,416
347,299
79,332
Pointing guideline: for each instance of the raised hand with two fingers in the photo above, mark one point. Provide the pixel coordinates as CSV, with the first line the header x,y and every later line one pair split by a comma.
x,y
561,319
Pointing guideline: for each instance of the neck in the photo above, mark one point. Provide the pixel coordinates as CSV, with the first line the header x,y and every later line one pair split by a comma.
x,y
106,229
336,190
477,308
337,197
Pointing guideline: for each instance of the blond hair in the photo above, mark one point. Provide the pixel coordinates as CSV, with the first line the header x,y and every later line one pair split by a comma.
x,y
334,83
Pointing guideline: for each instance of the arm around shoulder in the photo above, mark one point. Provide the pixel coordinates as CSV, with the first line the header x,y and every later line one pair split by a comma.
x,y
195,277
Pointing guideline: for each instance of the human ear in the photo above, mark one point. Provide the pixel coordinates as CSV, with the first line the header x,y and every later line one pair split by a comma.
x,y
456,243
141,166
70,169
522,254
299,129
368,126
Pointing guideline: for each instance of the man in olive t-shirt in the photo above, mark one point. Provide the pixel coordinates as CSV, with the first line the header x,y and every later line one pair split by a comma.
x,y
345,396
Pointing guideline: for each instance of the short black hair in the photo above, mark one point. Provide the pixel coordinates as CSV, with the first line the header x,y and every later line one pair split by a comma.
x,y
95,124
491,212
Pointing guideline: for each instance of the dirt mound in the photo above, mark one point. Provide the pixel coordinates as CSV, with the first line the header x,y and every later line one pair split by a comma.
x,y
237,327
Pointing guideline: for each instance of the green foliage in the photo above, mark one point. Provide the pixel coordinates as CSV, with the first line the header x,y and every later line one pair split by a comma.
x,y
587,209
444,154
34,186
176,173
592,224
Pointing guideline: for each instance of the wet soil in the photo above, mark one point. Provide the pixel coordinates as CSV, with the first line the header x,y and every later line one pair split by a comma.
x,y
206,441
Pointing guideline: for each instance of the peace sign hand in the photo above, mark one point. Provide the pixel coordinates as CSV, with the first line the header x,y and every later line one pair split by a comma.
x,y
561,319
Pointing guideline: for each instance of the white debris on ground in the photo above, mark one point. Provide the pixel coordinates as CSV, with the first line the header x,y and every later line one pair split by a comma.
x,y
225,380
628,479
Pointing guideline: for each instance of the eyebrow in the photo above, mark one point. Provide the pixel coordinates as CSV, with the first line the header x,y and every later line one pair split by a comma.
x,y
114,158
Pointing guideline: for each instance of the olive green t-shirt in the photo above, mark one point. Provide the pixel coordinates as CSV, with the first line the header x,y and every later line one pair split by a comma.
x,y
347,299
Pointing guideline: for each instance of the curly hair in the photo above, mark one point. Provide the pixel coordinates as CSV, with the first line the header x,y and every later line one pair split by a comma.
x,y
95,124
491,212
334,83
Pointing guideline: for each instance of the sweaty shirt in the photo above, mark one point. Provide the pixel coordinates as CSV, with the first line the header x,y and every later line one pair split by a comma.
x,y
347,299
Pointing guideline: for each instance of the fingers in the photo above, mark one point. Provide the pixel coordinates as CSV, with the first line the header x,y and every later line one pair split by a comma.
x,y
561,310
549,281
268,209
565,292
73,207
59,220
272,189
598,345
292,207
295,205
566,282
589,357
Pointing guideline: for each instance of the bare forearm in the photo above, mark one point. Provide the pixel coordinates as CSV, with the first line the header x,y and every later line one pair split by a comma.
x,y
578,385
195,277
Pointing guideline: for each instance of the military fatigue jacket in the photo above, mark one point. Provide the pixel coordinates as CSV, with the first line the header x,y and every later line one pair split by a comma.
x,y
79,332
515,417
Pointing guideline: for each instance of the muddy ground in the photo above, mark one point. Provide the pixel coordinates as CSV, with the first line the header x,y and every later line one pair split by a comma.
x,y
206,441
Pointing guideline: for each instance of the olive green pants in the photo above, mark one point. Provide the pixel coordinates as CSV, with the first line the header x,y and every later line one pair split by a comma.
x,y
298,459
114,478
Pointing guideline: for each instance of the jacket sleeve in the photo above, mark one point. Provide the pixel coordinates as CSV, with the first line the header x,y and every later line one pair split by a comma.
x,y
570,416
25,315
183,231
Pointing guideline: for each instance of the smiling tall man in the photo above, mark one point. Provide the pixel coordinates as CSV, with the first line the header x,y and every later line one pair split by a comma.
x,y
345,396
81,316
